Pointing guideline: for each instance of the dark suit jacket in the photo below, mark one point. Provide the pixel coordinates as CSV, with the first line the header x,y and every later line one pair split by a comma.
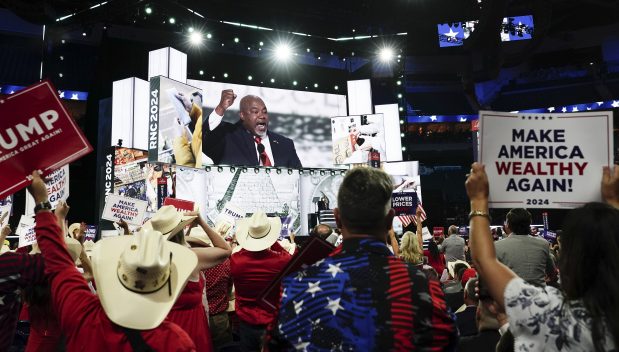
x,y
466,321
232,144
486,340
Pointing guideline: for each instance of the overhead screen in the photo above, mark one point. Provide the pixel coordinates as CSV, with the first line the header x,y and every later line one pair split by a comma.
x,y
513,28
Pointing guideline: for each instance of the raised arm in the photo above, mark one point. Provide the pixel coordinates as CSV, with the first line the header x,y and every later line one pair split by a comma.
x,y
394,242
610,186
495,275
211,256
419,228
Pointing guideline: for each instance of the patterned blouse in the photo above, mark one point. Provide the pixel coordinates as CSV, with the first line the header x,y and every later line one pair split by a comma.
x,y
541,320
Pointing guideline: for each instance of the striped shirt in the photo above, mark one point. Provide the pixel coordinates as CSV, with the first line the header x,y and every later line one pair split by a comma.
x,y
362,298
17,270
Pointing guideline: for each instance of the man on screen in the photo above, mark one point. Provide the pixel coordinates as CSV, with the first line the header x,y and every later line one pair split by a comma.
x,y
247,142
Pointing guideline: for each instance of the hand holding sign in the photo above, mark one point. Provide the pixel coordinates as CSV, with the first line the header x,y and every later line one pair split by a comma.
x,y
37,188
477,183
610,185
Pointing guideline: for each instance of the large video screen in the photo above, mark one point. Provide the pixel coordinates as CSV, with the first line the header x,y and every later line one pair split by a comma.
x,y
517,28
298,126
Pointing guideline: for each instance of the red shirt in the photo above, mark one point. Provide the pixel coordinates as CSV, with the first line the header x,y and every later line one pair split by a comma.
x,y
252,273
437,263
82,318
218,285
17,270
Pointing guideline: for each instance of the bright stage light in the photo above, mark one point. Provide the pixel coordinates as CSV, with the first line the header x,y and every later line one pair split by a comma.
x,y
283,52
195,38
172,20
148,10
386,55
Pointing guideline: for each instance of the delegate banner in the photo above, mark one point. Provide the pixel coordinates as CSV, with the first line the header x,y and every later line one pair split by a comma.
x,y
36,133
545,160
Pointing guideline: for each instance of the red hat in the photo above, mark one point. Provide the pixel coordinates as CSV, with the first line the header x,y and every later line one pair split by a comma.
x,y
466,275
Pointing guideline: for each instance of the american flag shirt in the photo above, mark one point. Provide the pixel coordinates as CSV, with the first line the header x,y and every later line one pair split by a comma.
x,y
363,298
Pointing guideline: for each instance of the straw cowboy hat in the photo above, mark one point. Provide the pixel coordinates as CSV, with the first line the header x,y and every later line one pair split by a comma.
x,y
451,266
258,232
197,236
168,221
140,277
73,227
4,247
74,246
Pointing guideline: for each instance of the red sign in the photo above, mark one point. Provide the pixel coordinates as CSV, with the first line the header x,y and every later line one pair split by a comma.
x,y
36,133
179,204
438,231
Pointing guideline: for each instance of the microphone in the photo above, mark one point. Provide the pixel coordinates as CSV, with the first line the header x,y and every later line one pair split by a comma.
x,y
260,148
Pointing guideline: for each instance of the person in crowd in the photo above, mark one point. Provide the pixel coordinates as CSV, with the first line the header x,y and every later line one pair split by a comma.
x,y
454,290
582,316
465,315
453,245
17,271
325,232
410,251
487,325
249,141
529,257
138,280
362,297
218,286
555,248
45,333
253,268
189,311
436,259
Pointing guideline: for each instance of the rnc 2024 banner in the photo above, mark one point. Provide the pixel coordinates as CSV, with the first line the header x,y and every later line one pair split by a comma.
x,y
545,160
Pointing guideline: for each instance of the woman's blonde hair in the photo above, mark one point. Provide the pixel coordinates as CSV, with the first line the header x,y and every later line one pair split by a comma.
x,y
409,250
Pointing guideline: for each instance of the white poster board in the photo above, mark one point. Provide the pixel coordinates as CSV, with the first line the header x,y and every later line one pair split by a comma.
x,y
25,231
123,208
545,160
57,188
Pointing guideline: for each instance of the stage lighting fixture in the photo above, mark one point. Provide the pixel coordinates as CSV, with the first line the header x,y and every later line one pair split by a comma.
x,y
402,135
236,40
272,80
261,43
308,50
148,10
400,96
401,108
283,52
294,83
60,75
201,72
225,75
385,55
190,29
172,20
83,34
336,87
195,38
209,35
315,85
249,78
398,83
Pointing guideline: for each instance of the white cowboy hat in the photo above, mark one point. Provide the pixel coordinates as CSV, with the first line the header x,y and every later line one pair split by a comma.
x,y
88,245
140,277
74,226
451,265
258,232
74,246
198,236
168,221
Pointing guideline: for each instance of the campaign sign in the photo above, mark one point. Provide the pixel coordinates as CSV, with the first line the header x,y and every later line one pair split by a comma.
x,y
179,204
57,184
36,133
404,203
25,231
545,160
438,231
91,232
123,208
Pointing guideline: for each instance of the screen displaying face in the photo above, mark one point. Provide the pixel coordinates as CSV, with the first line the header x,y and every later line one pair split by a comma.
x,y
296,124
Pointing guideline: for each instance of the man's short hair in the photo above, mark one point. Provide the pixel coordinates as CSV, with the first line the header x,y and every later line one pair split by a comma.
x,y
519,221
453,229
322,230
364,199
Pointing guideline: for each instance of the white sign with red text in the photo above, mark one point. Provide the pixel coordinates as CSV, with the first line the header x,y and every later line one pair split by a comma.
x,y
545,160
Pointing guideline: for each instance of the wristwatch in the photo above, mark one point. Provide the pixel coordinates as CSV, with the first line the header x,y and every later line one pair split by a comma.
x,y
42,206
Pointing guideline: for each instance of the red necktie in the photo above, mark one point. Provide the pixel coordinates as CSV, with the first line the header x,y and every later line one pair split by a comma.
x,y
264,158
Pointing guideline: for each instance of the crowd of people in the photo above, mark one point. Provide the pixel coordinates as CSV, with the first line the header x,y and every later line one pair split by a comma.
x,y
176,284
